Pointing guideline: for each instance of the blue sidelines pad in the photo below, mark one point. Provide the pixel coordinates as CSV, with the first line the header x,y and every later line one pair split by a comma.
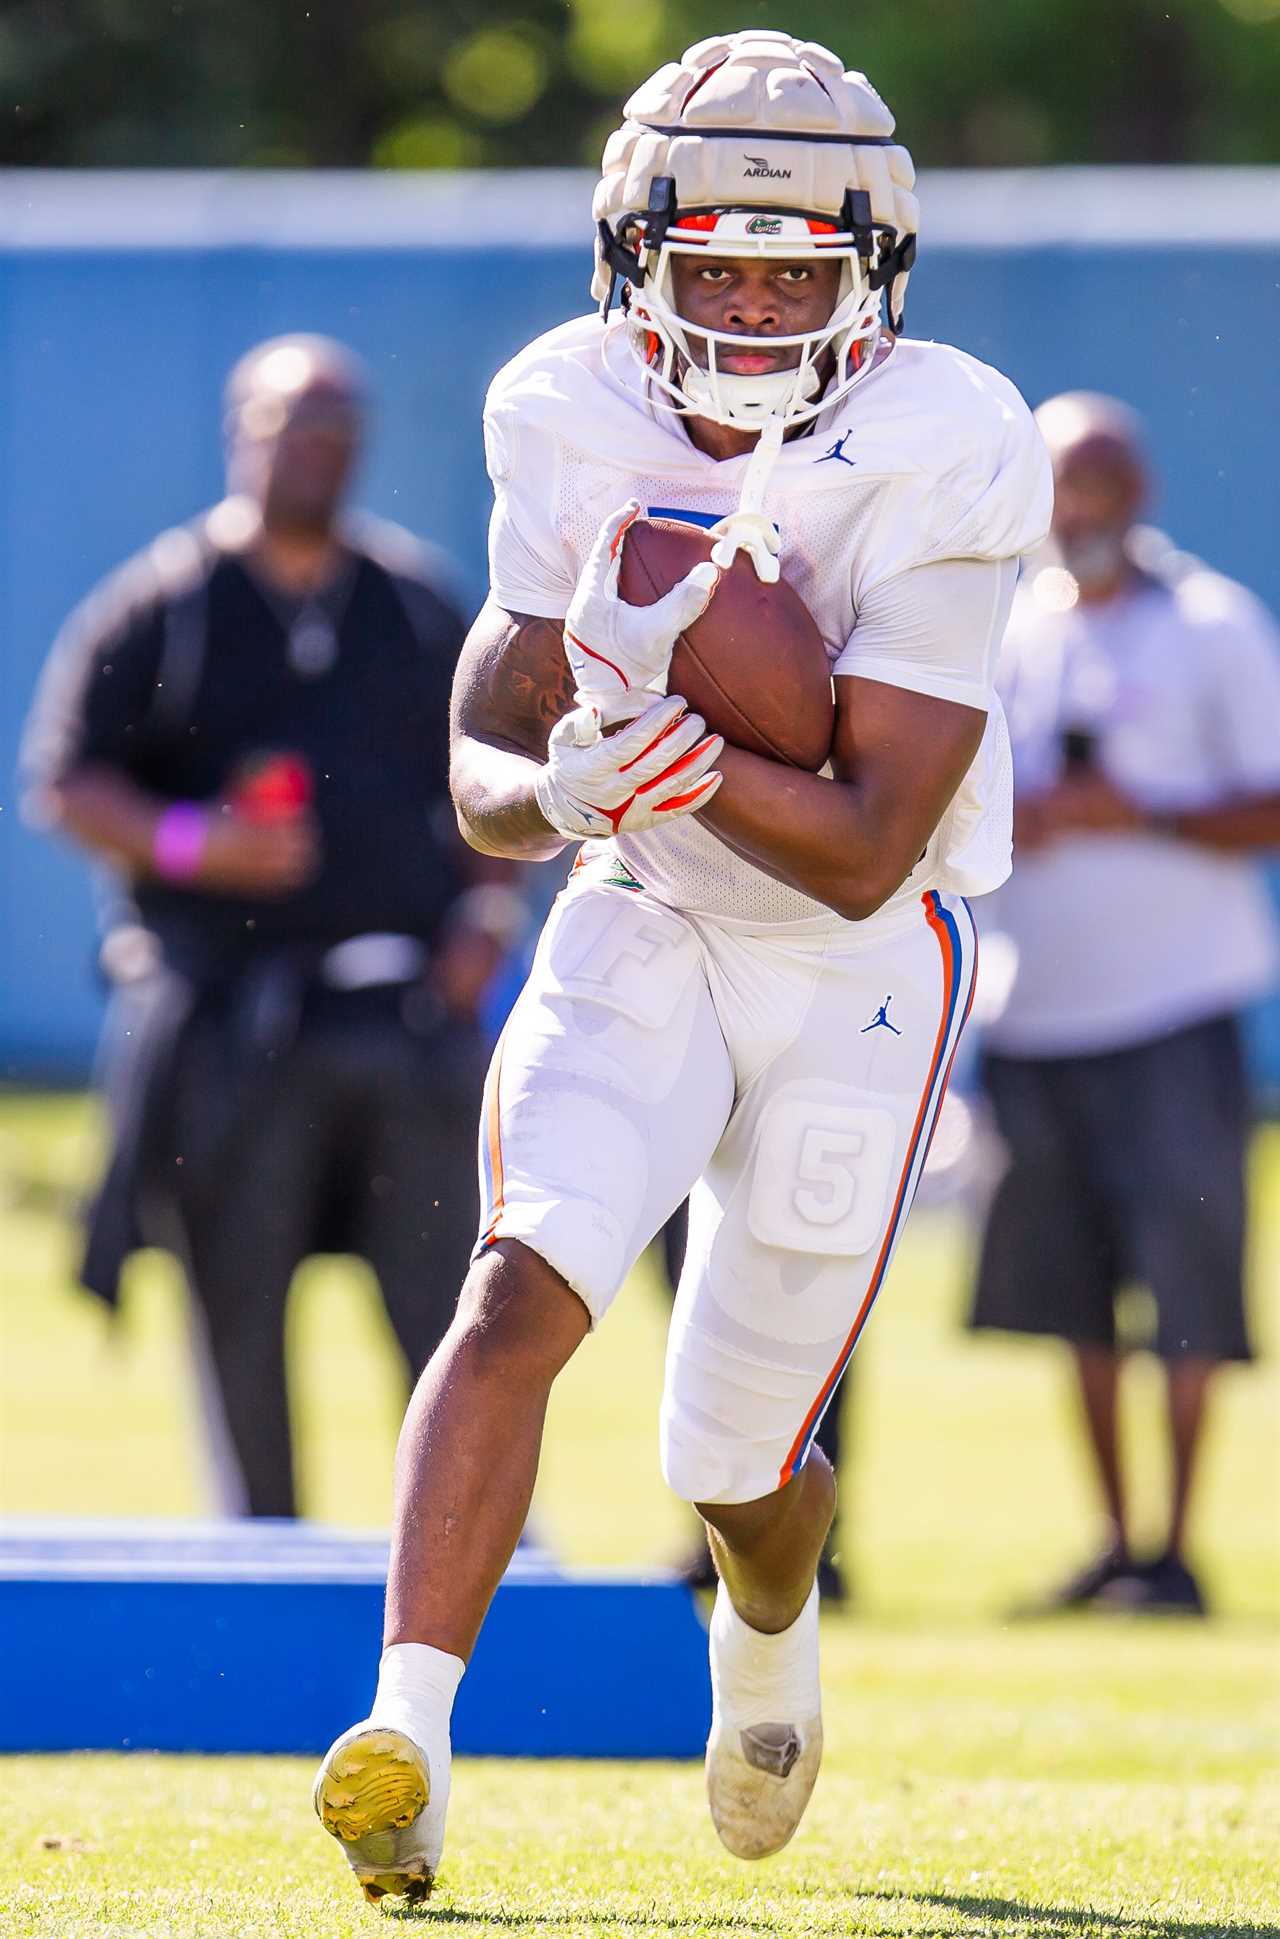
x,y
264,1636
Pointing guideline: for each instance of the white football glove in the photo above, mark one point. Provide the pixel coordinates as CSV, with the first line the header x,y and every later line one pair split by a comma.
x,y
620,653
649,771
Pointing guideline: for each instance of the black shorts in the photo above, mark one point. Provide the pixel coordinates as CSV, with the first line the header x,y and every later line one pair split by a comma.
x,y
1127,1167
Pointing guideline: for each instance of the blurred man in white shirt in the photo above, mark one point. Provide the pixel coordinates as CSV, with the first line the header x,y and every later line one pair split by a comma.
x,y
1143,697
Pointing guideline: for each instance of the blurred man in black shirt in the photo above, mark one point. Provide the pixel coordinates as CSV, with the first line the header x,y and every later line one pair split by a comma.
x,y
248,723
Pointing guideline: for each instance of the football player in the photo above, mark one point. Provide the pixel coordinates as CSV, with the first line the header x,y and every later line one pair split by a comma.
x,y
755,981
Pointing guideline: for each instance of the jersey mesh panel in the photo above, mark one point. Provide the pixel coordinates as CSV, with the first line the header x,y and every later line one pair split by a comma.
x,y
997,793
961,530
817,526
687,868
589,491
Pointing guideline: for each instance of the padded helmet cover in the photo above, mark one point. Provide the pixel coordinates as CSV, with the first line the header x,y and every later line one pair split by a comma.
x,y
758,119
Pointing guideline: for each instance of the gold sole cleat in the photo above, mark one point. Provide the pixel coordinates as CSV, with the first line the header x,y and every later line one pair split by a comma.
x,y
371,1789
414,1890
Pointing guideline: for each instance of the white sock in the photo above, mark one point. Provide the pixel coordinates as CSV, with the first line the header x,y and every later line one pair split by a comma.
x,y
416,1688
759,1679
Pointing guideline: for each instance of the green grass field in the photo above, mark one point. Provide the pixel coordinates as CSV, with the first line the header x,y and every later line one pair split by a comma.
x,y
1097,1776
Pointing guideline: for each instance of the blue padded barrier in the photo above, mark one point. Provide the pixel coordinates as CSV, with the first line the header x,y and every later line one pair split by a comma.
x,y
265,1637
125,297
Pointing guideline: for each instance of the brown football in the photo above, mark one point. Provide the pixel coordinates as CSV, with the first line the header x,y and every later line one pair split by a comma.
x,y
754,665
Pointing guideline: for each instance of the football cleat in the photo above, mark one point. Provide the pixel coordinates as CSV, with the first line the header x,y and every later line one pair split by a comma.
x,y
766,1728
370,1793
759,1780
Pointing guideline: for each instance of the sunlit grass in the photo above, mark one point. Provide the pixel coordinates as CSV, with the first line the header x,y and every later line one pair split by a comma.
x,y
1105,1777
966,1485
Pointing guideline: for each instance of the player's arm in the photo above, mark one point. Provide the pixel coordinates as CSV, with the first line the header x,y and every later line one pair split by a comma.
x,y
79,756
898,757
1242,709
911,708
1090,803
1240,826
513,683
107,812
530,764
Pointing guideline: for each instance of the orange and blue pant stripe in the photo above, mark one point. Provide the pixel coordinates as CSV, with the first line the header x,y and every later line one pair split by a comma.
x,y
491,1179
959,954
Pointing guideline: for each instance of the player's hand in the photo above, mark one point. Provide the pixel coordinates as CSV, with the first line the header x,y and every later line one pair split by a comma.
x,y
251,858
620,653
658,766
1084,803
1089,803
1033,826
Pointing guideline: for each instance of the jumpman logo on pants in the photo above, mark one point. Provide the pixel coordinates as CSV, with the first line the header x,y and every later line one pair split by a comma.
x,y
880,1021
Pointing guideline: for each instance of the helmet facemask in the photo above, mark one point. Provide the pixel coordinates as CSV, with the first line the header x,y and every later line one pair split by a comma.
x,y
682,358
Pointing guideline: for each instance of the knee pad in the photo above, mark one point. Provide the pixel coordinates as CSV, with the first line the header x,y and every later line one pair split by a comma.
x,y
705,1460
698,1466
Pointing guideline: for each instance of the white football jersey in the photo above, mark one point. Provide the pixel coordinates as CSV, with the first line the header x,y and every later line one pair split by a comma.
x,y
933,457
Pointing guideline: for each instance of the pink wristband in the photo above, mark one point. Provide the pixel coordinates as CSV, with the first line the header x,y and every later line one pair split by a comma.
x,y
177,848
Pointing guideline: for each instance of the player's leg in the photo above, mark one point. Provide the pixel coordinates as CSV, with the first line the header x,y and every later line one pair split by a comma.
x,y
792,1230
1050,1262
1098,1370
1190,1377
418,1202
253,1152
465,1469
700,1572
608,1093
468,1452
766,1552
1189,1119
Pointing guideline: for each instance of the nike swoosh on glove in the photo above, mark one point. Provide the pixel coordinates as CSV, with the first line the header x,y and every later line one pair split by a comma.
x,y
619,653
657,767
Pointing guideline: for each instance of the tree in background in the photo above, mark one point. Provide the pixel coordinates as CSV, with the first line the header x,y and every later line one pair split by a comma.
x,y
329,83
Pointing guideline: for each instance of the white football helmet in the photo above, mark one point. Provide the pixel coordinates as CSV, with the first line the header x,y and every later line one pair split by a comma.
x,y
755,144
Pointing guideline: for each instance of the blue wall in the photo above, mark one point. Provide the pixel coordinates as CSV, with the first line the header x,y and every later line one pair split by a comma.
x,y
112,362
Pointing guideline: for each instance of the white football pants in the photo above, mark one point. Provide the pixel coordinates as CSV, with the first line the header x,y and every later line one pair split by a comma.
x,y
789,1077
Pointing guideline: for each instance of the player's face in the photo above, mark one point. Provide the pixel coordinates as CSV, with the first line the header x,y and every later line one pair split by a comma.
x,y
295,453
753,297
1097,496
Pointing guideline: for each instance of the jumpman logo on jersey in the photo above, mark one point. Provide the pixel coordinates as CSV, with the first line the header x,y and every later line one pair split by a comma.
x,y
837,451
880,1021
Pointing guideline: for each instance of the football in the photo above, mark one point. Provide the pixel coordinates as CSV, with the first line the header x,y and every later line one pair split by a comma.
x,y
754,665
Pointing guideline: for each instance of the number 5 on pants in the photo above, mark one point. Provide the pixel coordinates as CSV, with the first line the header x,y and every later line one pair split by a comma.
x,y
822,1172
